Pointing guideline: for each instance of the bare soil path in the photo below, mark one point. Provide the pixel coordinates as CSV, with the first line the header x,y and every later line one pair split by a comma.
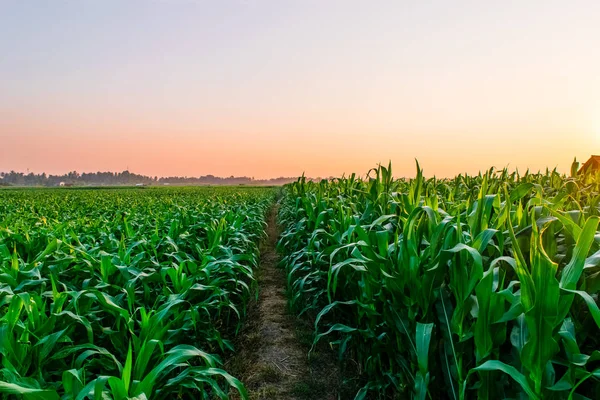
x,y
271,351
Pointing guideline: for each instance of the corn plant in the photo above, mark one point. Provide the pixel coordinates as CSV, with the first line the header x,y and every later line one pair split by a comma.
x,y
125,293
479,286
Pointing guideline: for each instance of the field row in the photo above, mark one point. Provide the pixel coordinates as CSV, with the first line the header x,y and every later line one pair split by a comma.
x,y
475,287
125,293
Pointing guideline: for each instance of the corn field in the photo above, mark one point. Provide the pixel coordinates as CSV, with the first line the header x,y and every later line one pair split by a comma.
x,y
125,293
479,286
474,287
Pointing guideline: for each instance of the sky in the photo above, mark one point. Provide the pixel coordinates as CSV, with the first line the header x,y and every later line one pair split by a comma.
x,y
270,88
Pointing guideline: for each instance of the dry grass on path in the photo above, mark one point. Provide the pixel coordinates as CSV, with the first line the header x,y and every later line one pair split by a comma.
x,y
271,357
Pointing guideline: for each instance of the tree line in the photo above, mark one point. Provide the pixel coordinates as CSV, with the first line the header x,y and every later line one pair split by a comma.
x,y
125,178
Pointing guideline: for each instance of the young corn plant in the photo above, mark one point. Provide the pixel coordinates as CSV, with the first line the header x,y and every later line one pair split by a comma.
x,y
124,293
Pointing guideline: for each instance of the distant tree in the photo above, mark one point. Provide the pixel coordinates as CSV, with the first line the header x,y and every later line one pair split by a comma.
x,y
127,178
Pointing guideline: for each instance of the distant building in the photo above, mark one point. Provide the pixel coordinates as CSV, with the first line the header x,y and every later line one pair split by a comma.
x,y
592,164
65,184
139,184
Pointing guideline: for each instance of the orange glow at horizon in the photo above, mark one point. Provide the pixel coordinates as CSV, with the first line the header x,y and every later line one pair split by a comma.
x,y
268,154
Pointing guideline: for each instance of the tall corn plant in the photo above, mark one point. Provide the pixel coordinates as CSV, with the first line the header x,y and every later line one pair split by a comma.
x,y
486,285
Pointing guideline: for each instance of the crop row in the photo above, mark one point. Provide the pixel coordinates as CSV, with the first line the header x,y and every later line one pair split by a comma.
x,y
474,287
124,293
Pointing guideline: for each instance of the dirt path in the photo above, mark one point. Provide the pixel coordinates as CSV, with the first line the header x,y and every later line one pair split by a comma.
x,y
271,357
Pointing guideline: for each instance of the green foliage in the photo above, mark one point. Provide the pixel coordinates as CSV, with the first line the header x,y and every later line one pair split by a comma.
x,y
497,274
125,293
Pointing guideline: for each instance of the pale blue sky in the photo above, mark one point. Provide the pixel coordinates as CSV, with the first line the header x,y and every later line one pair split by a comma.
x,y
271,88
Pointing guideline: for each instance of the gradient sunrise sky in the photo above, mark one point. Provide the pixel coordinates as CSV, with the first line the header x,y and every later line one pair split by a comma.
x,y
276,88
